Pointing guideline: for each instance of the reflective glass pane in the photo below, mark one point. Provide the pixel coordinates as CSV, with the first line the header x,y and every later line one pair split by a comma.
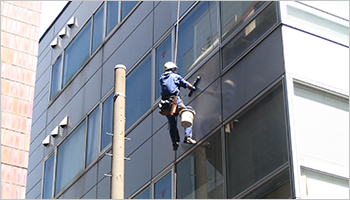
x,y
145,194
112,15
138,92
97,34
249,35
200,174
92,136
56,77
198,36
256,142
278,187
107,122
49,171
77,53
162,189
70,157
235,13
163,55
127,6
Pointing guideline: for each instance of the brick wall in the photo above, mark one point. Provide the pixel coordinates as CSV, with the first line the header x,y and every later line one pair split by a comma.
x,y
20,22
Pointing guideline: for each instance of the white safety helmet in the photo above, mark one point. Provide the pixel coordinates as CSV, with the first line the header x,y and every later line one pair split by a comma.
x,y
170,66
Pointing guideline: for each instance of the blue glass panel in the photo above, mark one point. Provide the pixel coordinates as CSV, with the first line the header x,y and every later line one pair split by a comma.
x,y
77,53
198,36
145,194
107,122
48,177
127,6
97,34
162,189
138,92
56,77
112,15
92,136
163,55
70,158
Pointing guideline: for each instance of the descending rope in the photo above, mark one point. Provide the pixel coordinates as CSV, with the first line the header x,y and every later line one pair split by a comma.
x,y
177,30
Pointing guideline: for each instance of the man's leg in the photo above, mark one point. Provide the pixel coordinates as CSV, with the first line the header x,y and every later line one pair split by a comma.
x,y
174,133
188,136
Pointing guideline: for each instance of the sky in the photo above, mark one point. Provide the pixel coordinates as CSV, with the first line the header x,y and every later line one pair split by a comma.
x,y
49,12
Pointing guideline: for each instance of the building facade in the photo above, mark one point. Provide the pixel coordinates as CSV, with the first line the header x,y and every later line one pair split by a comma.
x,y
19,50
272,106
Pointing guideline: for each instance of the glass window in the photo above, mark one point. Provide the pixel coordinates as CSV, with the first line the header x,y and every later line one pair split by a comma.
x,y
138,92
162,189
97,34
317,21
249,35
321,120
70,158
77,53
200,175
107,122
56,77
256,142
198,36
145,194
163,55
49,172
112,15
320,185
235,13
92,136
127,6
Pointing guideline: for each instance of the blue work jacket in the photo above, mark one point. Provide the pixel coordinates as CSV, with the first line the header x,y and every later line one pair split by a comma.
x,y
171,82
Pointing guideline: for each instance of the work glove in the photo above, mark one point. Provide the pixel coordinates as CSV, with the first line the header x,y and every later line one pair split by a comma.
x,y
194,88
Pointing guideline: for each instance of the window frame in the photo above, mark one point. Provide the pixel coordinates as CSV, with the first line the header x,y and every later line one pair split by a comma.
x,y
105,37
59,58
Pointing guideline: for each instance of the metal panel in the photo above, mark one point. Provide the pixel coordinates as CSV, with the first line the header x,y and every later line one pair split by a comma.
x,y
138,135
42,65
158,120
40,109
259,68
104,167
104,189
83,100
35,177
34,192
138,169
91,194
162,151
35,158
37,128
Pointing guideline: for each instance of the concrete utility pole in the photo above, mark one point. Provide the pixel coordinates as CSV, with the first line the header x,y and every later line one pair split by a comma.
x,y
118,143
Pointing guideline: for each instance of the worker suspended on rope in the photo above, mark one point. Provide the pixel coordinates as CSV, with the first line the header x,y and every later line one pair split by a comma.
x,y
171,103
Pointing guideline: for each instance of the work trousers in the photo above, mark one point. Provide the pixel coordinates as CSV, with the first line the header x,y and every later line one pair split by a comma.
x,y
174,132
172,121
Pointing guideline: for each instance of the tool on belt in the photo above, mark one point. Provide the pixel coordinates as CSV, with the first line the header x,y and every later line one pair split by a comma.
x,y
168,105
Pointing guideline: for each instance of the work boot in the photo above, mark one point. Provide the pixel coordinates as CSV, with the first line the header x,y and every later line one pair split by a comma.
x,y
175,145
189,140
